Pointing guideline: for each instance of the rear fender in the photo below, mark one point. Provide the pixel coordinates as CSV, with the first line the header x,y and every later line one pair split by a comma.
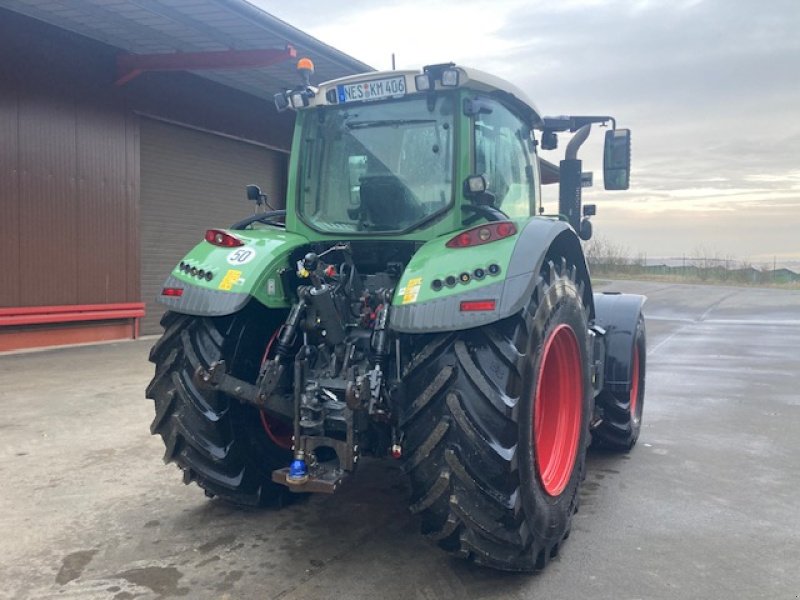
x,y
238,274
418,308
617,316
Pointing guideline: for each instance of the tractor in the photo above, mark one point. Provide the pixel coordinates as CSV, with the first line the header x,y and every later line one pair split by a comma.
x,y
412,303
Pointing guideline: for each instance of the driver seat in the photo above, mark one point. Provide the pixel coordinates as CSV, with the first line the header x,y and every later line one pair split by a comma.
x,y
386,203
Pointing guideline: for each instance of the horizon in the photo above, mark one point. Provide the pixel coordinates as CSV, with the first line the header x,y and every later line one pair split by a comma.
x,y
730,262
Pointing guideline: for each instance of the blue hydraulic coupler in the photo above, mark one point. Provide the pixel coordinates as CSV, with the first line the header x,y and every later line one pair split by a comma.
x,y
298,471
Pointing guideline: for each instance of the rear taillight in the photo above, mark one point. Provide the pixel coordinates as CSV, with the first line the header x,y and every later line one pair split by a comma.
x,y
477,305
175,292
220,238
483,234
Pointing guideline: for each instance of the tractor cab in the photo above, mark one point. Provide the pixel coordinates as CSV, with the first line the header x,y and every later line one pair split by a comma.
x,y
418,154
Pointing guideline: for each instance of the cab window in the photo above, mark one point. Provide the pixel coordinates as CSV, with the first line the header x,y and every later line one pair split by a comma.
x,y
383,166
501,153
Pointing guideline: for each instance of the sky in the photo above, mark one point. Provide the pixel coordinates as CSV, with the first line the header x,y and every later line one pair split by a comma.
x,y
709,88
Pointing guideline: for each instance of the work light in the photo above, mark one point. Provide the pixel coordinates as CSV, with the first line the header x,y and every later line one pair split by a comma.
x,y
423,82
450,78
297,99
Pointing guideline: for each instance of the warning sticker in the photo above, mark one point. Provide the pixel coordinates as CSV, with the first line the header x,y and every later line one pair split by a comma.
x,y
231,278
411,290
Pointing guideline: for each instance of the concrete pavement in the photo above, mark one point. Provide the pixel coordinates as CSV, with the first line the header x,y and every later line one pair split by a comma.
x,y
706,506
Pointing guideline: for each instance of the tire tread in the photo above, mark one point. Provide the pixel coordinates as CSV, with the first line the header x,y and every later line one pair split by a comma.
x,y
464,470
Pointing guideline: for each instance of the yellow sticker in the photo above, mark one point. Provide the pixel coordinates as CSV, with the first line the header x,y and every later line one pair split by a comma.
x,y
412,290
231,278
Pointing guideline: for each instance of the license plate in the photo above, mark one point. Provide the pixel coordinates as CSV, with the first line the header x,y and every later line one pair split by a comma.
x,y
391,87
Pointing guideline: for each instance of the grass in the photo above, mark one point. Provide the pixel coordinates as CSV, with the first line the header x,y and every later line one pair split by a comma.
x,y
607,259
606,272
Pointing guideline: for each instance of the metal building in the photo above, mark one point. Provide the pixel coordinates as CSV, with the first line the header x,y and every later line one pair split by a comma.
x,y
127,128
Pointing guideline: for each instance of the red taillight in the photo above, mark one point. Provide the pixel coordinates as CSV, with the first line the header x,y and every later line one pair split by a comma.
x,y
172,292
505,229
483,234
462,240
477,305
220,238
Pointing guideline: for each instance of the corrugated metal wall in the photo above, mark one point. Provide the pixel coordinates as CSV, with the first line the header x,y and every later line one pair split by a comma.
x,y
9,198
70,212
67,186
189,183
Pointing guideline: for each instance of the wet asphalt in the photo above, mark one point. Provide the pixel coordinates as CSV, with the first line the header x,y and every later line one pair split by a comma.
x,y
706,506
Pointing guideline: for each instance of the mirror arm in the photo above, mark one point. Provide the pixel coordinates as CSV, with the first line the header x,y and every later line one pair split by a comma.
x,y
487,212
263,217
577,141
263,200
573,123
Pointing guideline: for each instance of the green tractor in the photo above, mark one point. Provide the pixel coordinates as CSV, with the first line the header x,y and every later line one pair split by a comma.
x,y
411,303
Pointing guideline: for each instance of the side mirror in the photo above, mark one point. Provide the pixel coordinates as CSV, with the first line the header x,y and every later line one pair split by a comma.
x,y
585,230
476,188
281,101
617,159
254,194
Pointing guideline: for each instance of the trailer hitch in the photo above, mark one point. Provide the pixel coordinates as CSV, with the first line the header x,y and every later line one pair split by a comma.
x,y
327,477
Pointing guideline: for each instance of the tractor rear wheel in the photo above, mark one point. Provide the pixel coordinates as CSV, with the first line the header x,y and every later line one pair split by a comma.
x,y
497,429
218,442
622,411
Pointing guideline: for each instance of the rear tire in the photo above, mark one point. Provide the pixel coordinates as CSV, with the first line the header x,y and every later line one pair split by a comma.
x,y
217,441
621,412
479,433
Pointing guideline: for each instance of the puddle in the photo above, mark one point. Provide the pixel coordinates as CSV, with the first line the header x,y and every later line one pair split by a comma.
x,y
220,541
162,580
73,565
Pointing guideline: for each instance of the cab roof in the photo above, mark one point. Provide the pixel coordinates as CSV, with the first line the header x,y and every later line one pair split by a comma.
x,y
473,79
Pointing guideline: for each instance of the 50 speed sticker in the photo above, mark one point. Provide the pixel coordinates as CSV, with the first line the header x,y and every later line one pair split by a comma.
x,y
241,256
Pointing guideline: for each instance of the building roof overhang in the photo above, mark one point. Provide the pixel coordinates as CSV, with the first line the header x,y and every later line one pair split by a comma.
x,y
197,27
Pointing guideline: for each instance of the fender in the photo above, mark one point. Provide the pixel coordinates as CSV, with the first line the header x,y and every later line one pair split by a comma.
x,y
237,274
617,316
419,308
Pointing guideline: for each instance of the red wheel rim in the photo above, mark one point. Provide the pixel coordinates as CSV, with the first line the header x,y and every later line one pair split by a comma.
x,y
557,409
634,383
280,437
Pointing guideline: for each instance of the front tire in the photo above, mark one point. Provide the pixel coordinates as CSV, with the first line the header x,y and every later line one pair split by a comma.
x,y
217,441
621,411
497,430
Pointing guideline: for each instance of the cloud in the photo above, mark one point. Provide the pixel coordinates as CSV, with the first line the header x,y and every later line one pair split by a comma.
x,y
708,87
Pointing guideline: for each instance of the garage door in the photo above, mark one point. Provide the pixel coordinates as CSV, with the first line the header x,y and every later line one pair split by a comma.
x,y
192,181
